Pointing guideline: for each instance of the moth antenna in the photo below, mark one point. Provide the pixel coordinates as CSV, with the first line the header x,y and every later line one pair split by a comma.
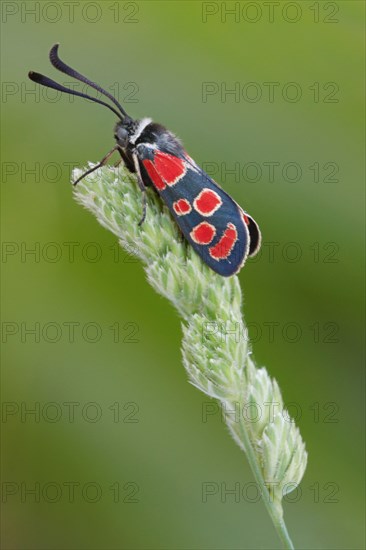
x,y
49,83
66,69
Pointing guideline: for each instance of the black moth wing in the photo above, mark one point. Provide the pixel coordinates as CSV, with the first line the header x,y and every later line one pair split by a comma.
x,y
228,217
255,236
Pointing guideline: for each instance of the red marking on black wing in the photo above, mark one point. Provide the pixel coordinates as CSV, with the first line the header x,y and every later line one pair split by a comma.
x,y
154,175
165,169
245,218
254,234
203,233
223,248
182,207
207,202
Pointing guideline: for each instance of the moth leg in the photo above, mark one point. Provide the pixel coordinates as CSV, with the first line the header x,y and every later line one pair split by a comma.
x,y
181,236
144,198
127,161
99,165
144,207
142,189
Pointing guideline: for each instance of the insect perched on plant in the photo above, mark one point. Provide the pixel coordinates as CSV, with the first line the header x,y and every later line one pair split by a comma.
x,y
212,222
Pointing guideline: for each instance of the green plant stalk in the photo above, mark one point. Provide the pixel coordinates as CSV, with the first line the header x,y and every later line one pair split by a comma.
x,y
275,512
216,360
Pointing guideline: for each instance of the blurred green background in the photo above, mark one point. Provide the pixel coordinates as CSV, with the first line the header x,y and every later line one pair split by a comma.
x,y
118,450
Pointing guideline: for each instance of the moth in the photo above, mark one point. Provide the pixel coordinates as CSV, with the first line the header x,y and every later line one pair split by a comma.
x,y
217,228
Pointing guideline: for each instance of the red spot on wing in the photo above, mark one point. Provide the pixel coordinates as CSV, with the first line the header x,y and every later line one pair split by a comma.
x,y
207,202
154,175
182,207
169,167
203,233
245,218
165,169
223,248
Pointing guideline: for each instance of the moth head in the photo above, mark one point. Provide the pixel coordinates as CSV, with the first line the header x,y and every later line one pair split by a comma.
x,y
121,134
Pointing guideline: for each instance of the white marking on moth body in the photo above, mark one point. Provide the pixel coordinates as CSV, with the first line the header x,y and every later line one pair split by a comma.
x,y
140,128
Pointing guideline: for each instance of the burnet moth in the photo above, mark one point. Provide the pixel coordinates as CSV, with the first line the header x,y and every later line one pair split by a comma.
x,y
218,229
